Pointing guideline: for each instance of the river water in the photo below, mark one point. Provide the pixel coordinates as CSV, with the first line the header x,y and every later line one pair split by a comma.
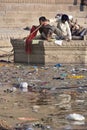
x,y
53,93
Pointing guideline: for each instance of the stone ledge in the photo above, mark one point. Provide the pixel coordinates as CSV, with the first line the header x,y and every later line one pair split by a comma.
x,y
44,52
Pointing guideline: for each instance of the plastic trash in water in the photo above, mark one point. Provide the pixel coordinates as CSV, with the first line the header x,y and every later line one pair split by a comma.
x,y
24,86
63,75
36,68
68,128
78,123
58,65
75,117
57,78
48,127
75,76
30,128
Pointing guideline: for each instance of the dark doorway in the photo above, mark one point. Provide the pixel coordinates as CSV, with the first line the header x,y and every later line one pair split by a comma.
x,y
82,5
75,2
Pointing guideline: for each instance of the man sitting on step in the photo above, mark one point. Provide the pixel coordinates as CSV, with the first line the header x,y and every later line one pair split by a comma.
x,y
62,32
77,30
63,25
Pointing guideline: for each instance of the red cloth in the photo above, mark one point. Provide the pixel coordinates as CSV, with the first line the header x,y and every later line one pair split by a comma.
x,y
33,33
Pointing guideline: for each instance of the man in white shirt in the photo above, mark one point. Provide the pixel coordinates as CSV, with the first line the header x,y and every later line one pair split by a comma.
x,y
63,25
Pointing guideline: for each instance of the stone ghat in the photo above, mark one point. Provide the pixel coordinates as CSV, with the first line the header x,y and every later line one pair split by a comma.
x,y
40,1
43,52
21,13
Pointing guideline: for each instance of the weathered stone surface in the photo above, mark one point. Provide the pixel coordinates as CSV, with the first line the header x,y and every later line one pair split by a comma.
x,y
40,1
44,52
13,16
13,13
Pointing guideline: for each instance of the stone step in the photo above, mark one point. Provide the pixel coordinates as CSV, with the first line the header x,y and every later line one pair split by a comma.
x,y
7,33
42,1
20,23
15,15
39,7
25,18
27,14
5,49
5,45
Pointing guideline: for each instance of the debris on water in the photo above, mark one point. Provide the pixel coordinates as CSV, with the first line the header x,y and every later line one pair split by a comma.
x,y
23,86
49,92
69,127
58,65
75,76
78,123
58,78
4,125
63,101
27,119
35,108
8,91
75,116
63,98
63,75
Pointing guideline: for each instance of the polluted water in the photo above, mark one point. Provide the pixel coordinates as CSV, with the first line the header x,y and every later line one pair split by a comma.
x,y
43,97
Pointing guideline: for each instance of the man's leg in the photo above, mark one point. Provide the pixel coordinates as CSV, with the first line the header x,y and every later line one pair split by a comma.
x,y
57,31
84,32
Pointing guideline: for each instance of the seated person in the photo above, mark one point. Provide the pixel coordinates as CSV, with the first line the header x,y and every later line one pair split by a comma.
x,y
46,29
63,25
76,29
62,30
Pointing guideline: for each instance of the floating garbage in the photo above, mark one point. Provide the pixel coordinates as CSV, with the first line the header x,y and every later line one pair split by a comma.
x,y
57,78
64,101
23,86
63,98
63,75
74,116
83,69
24,127
75,76
78,122
4,125
68,128
27,119
30,128
36,68
35,108
58,65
